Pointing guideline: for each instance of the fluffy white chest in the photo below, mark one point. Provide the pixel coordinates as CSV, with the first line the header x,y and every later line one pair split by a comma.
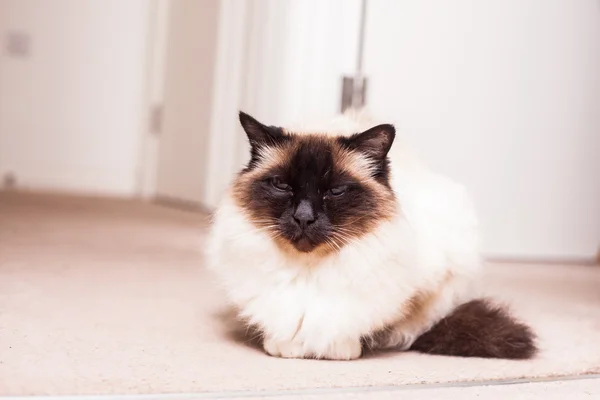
x,y
314,302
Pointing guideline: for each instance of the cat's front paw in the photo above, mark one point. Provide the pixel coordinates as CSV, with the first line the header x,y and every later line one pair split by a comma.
x,y
284,349
343,350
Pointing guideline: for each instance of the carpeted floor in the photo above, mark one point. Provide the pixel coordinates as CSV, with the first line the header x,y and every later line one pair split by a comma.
x,y
109,296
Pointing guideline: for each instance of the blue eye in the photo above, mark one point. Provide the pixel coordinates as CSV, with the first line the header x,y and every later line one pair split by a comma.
x,y
277,184
338,191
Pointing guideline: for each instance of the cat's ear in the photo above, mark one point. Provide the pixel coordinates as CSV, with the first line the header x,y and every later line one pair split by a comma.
x,y
375,142
259,134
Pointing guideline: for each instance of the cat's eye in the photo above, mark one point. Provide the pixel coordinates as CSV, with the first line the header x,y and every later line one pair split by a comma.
x,y
338,191
279,185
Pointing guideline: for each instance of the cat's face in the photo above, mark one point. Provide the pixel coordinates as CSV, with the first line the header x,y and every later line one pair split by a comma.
x,y
315,192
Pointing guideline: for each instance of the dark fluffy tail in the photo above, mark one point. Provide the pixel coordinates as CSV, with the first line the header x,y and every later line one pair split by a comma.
x,y
478,329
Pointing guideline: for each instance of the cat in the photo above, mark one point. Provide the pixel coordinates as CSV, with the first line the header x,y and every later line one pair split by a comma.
x,y
330,250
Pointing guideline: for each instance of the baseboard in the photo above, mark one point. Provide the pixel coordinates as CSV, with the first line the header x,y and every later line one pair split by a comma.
x,y
67,179
67,194
184,205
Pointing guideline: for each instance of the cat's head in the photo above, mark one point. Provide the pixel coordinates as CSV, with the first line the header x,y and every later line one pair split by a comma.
x,y
315,192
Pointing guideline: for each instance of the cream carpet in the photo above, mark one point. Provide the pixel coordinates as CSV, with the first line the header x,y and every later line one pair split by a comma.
x,y
108,296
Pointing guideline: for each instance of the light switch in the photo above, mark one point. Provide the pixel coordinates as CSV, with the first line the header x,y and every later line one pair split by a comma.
x,y
18,44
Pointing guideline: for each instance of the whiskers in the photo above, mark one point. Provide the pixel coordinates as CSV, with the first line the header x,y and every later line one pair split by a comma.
x,y
355,220
267,226
341,236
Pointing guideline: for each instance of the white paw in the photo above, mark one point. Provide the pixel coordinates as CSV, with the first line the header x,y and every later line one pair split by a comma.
x,y
397,338
343,349
285,349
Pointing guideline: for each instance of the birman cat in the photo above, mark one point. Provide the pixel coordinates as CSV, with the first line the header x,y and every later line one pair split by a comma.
x,y
330,245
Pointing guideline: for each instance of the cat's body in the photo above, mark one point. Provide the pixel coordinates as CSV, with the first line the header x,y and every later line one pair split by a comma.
x,y
408,258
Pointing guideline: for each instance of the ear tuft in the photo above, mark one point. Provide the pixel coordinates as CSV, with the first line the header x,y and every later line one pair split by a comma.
x,y
375,142
258,133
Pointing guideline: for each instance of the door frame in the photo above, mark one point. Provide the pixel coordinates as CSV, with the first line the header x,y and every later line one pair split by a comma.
x,y
230,82
156,53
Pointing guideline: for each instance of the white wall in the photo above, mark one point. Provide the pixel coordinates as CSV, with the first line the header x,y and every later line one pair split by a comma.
x,y
504,96
72,112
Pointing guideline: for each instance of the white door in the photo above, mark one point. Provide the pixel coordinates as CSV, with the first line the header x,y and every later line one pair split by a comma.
x,y
191,46
503,96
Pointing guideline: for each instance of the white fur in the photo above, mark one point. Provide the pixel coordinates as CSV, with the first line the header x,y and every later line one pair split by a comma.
x,y
308,305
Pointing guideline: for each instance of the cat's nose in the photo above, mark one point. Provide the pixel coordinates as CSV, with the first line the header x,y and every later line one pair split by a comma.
x,y
304,214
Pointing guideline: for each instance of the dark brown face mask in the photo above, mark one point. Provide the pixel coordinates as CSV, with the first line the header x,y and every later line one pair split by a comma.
x,y
310,196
